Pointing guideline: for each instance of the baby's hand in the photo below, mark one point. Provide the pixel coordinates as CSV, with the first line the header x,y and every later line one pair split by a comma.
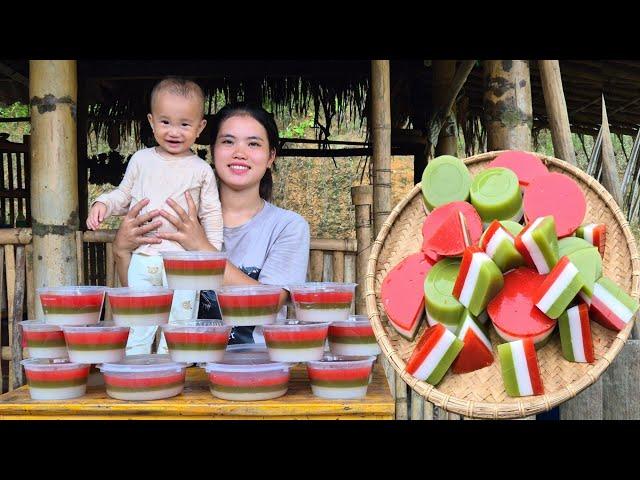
x,y
96,215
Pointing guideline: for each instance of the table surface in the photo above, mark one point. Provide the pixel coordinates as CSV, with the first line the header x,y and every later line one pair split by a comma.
x,y
196,402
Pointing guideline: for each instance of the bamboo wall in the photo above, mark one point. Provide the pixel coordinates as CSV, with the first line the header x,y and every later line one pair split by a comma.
x,y
15,202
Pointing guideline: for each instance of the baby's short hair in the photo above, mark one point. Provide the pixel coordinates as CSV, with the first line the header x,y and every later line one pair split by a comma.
x,y
178,86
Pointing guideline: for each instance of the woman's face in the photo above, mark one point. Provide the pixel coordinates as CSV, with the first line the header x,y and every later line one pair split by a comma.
x,y
241,152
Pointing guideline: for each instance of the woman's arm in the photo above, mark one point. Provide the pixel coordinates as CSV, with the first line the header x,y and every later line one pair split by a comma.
x,y
130,236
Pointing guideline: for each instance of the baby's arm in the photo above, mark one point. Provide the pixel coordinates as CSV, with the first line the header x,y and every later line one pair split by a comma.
x,y
117,201
210,211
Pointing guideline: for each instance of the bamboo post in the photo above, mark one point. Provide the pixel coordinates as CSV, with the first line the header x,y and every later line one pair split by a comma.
x,y
82,129
80,258
18,310
381,139
556,106
3,305
327,267
338,266
31,291
443,72
610,178
316,259
10,265
361,197
54,172
507,105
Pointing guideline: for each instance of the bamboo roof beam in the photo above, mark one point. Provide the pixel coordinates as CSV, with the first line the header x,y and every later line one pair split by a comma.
x,y
610,178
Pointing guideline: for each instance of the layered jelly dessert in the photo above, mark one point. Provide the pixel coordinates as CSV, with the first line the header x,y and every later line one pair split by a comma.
x,y
559,288
136,307
611,306
194,270
144,377
449,229
43,340
519,365
440,304
499,243
575,334
294,341
340,377
495,194
322,301
478,280
196,342
50,380
249,305
445,179
353,337
433,355
237,380
103,342
595,234
80,305
538,244
525,165
477,352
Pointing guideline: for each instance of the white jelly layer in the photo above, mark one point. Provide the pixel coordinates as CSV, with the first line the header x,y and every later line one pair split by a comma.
x,y
138,320
72,318
196,356
323,314
339,393
523,376
152,395
294,355
97,356
248,397
242,321
63,393
195,282
51,352
354,349
575,330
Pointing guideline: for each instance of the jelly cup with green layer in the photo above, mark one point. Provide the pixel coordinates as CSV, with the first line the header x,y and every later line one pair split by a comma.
x,y
144,377
495,194
43,340
323,301
140,307
340,377
445,179
249,305
440,304
194,270
197,342
294,341
353,337
103,342
237,380
73,305
50,380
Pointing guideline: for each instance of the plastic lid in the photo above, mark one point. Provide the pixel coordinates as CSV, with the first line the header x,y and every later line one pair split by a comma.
x,y
341,361
72,290
525,165
495,193
194,255
322,287
39,326
248,353
198,326
143,364
95,328
138,292
445,179
296,326
51,364
242,290
241,366
353,320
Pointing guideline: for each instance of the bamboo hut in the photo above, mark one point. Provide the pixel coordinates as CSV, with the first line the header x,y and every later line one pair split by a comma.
x,y
411,107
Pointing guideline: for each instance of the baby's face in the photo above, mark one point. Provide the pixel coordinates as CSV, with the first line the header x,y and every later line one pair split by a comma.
x,y
176,122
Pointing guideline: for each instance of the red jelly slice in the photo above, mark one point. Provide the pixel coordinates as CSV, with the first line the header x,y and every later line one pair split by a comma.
x,y
513,311
402,293
525,165
558,195
442,230
473,356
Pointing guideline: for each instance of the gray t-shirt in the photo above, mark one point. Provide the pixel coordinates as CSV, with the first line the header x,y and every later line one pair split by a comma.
x,y
273,248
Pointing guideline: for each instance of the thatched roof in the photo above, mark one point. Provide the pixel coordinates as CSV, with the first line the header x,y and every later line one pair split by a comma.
x,y
117,91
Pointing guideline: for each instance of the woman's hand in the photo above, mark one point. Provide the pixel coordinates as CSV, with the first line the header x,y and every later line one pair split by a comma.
x,y
190,233
133,229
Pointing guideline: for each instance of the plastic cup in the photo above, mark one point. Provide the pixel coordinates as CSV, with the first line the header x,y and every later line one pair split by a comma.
x,y
74,305
50,380
323,301
140,307
43,340
233,380
103,342
144,377
353,337
249,305
294,341
199,341
340,377
194,270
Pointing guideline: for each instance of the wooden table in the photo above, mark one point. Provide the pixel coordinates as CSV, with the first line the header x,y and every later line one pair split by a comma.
x,y
196,402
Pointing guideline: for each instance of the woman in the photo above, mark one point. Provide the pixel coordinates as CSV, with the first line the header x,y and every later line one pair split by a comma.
x,y
264,243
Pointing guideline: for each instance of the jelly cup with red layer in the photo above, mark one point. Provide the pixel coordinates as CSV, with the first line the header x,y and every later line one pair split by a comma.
x,y
72,305
198,341
295,341
340,377
43,340
144,377
249,305
322,301
353,337
194,270
49,380
237,380
104,342
140,307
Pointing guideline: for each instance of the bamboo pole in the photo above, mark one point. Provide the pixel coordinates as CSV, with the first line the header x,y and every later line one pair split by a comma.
x,y
327,267
31,291
610,178
15,236
82,129
443,73
557,110
380,128
338,267
54,171
10,265
18,311
507,105
316,265
361,197
80,258
3,306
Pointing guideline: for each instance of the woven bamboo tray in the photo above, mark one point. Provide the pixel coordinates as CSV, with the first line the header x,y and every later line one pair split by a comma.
x,y
481,394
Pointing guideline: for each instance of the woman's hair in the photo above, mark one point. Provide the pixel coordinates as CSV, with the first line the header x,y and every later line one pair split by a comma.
x,y
261,116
